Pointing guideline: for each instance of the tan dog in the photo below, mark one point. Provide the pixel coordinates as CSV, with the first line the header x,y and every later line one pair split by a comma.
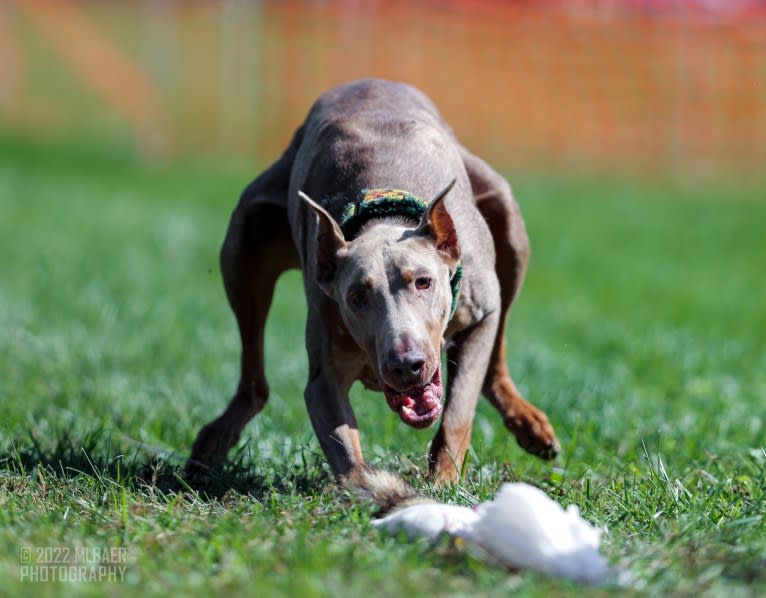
x,y
382,288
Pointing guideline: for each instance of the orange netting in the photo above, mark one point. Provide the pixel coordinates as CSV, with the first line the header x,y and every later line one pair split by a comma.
x,y
643,86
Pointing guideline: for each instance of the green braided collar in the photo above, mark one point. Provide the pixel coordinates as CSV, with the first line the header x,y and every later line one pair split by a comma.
x,y
381,203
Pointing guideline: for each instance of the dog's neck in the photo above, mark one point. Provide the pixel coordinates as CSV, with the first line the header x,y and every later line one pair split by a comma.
x,y
377,204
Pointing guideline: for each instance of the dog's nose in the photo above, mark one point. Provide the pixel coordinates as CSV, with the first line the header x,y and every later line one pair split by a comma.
x,y
411,366
406,368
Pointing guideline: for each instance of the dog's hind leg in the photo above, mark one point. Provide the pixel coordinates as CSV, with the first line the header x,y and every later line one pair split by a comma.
x,y
258,247
496,203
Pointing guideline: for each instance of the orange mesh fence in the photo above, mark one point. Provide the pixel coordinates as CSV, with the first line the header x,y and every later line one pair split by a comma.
x,y
647,87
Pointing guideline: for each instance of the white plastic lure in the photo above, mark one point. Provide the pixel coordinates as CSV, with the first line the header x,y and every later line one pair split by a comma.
x,y
522,528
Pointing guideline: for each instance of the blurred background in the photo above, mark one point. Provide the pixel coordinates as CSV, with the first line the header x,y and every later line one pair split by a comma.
x,y
661,88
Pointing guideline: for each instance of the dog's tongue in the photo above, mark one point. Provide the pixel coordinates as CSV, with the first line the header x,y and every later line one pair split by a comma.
x,y
418,407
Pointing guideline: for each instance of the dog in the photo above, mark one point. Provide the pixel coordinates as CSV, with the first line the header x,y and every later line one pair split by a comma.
x,y
408,244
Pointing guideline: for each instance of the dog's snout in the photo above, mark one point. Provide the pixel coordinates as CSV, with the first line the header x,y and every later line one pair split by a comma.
x,y
405,369
416,366
409,364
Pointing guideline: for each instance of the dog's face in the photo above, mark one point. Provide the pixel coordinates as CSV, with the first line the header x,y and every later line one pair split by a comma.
x,y
392,287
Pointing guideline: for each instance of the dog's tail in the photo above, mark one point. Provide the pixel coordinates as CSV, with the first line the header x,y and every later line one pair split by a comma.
x,y
386,489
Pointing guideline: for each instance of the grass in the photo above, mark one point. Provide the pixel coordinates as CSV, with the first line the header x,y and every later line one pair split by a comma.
x,y
640,331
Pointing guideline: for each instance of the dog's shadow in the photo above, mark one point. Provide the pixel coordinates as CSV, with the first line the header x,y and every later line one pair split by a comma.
x,y
139,467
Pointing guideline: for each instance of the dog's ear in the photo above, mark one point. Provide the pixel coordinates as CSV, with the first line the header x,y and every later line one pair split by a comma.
x,y
330,242
437,224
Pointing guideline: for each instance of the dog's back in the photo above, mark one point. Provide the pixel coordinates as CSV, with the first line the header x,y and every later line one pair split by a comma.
x,y
370,134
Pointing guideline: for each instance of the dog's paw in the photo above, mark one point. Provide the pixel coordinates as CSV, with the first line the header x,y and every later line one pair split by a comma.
x,y
210,449
534,433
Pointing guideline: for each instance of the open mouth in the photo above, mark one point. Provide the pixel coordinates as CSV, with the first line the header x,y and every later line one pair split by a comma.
x,y
419,406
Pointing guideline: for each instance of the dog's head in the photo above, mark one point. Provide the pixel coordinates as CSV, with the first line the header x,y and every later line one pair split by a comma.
x,y
392,286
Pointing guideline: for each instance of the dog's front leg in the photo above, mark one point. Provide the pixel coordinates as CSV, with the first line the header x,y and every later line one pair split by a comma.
x,y
328,403
467,362
334,424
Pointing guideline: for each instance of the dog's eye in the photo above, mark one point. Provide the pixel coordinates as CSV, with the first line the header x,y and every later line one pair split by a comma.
x,y
422,283
357,297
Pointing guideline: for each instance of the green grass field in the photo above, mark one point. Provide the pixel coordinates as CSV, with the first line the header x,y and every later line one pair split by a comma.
x,y
640,330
